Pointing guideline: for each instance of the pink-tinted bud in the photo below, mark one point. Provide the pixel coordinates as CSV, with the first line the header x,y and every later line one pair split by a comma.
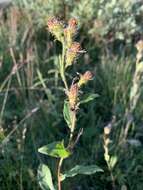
x,y
87,75
72,53
73,95
53,23
70,31
85,78
75,47
56,28
72,23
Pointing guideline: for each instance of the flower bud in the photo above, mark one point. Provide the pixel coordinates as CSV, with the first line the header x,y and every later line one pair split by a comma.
x,y
56,28
85,78
73,95
70,31
72,53
72,23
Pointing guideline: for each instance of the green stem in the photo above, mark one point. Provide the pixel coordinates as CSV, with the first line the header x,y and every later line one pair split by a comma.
x,y
72,127
62,67
59,173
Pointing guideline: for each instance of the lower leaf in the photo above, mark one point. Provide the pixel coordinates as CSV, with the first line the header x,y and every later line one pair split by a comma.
x,y
45,178
81,169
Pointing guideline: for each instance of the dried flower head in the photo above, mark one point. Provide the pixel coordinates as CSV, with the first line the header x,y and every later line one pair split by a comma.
x,y
73,95
56,28
85,78
70,31
75,47
72,23
72,53
139,45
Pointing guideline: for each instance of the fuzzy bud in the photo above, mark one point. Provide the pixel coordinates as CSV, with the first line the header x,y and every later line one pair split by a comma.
x,y
70,31
56,28
85,78
73,95
72,53
72,23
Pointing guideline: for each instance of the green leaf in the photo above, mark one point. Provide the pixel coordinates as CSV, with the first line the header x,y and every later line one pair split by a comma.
x,y
80,169
66,113
113,161
88,97
55,149
45,178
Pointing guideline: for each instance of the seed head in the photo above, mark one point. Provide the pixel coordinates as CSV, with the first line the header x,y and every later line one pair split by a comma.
x,y
85,78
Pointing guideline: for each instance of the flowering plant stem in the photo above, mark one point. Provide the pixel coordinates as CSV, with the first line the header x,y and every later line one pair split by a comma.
x,y
70,51
62,66
73,122
59,171
62,72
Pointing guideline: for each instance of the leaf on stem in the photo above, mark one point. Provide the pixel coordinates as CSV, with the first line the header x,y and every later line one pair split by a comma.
x,y
55,149
81,169
67,114
88,98
45,178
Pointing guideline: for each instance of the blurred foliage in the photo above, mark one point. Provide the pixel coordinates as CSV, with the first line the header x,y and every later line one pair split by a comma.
x,y
113,19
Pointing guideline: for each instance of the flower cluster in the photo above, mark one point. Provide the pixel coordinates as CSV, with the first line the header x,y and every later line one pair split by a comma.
x,y
74,89
66,36
56,28
70,31
72,53
71,50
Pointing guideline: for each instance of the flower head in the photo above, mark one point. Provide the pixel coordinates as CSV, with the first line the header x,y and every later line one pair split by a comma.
x,y
72,23
72,53
56,28
75,47
85,78
70,31
73,95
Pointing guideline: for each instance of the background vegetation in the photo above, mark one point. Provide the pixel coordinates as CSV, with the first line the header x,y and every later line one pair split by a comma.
x,y
31,92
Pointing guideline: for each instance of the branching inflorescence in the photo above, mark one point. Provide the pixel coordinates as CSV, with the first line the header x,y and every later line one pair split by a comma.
x,y
70,51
